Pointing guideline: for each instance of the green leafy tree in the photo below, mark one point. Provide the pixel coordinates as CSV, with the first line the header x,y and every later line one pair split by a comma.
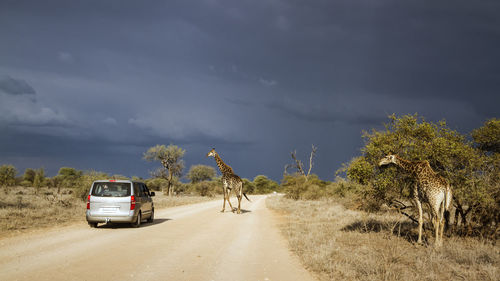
x,y
199,173
7,175
449,153
67,177
41,174
67,172
39,179
29,175
36,181
487,138
171,159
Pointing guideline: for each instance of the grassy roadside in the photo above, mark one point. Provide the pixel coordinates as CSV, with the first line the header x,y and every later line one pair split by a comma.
x,y
23,209
341,244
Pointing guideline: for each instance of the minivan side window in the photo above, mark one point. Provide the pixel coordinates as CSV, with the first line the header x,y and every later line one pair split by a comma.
x,y
144,191
137,190
147,190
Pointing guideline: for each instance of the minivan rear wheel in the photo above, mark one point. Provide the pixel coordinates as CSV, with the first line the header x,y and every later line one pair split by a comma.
x,y
152,217
93,224
137,223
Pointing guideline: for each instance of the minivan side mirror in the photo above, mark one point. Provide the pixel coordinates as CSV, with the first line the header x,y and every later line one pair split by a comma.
x,y
152,193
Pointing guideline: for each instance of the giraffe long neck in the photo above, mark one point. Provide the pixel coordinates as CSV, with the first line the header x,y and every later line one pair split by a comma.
x,y
405,164
223,167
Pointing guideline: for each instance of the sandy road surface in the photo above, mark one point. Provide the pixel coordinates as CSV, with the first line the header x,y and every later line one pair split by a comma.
x,y
194,242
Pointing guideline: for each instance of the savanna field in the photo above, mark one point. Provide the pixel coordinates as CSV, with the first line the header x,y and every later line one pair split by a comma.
x,y
337,243
361,226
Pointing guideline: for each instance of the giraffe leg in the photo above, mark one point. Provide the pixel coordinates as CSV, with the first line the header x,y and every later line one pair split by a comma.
x,y
239,194
229,201
435,220
223,204
436,229
441,222
239,204
437,223
441,229
225,196
418,204
420,220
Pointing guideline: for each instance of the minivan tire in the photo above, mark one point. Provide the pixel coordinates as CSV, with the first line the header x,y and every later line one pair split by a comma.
x,y
152,217
137,223
93,224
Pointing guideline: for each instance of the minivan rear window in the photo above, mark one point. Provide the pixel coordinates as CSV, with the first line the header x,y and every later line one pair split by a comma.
x,y
111,189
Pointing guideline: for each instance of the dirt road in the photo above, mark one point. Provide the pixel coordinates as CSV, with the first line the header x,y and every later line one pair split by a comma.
x,y
194,242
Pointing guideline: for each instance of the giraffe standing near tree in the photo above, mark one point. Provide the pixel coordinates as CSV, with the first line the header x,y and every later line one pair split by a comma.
x,y
230,181
430,187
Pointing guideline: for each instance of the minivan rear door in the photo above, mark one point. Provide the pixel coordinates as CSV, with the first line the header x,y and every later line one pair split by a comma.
x,y
110,199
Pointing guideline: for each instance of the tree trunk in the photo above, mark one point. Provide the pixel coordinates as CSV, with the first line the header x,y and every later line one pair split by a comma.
x,y
170,177
462,212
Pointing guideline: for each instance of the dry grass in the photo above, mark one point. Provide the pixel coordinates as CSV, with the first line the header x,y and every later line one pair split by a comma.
x,y
341,244
163,201
21,209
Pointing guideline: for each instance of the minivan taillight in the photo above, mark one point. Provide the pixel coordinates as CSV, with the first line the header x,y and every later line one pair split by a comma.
x,y
88,202
132,202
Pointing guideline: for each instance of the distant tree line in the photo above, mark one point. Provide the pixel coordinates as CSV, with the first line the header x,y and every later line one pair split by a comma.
x,y
203,180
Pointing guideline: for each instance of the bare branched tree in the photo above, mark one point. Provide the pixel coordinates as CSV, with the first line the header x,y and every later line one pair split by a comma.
x,y
287,166
160,172
299,165
313,152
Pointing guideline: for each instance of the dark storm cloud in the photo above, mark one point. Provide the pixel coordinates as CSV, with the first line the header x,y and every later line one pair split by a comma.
x,y
256,79
20,108
325,114
13,86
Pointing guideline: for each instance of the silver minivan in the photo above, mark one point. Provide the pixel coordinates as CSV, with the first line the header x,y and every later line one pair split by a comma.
x,y
119,201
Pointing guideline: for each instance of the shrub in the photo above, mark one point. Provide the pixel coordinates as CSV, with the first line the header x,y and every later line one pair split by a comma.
x,y
198,173
8,175
157,184
67,177
29,175
297,187
248,186
264,185
205,188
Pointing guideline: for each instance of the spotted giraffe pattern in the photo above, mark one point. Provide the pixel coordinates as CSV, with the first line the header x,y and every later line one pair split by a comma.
x,y
230,181
430,188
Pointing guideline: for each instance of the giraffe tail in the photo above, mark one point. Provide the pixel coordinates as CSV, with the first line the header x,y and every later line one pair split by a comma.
x,y
244,194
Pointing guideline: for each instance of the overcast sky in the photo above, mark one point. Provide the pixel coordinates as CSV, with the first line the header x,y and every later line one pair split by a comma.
x,y
94,84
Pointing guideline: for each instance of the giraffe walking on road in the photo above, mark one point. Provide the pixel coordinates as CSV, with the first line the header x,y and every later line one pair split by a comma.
x,y
430,187
230,181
